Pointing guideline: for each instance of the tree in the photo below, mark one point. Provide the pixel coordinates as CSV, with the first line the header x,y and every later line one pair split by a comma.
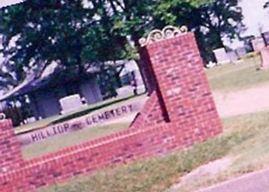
x,y
46,31
266,5
67,32
7,80
211,21
78,34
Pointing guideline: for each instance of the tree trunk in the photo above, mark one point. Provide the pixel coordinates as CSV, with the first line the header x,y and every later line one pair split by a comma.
x,y
139,61
219,41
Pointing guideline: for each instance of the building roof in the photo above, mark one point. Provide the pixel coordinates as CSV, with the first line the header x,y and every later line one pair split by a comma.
x,y
52,76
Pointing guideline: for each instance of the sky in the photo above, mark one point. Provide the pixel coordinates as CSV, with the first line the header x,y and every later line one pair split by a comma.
x,y
4,3
255,17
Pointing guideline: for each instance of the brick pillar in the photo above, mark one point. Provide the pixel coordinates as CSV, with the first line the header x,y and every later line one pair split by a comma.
x,y
10,150
181,84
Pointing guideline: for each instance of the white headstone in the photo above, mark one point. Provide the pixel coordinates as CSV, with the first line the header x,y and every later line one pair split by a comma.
x,y
125,91
221,56
233,56
241,52
258,44
71,103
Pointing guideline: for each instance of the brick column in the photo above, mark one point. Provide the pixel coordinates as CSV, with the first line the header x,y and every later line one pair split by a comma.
x,y
178,69
10,150
181,84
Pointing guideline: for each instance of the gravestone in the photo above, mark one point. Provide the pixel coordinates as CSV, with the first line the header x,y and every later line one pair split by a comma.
x,y
258,44
241,52
221,56
265,58
125,91
232,56
265,37
71,103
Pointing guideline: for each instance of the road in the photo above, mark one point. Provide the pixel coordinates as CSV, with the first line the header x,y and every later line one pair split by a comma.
x,y
253,182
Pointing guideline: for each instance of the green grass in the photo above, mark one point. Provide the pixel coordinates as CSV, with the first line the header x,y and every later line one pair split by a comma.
x,y
59,142
244,137
250,155
232,77
153,175
254,152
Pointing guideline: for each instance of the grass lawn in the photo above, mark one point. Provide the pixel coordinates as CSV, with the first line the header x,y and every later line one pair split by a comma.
x,y
250,155
231,77
245,137
59,142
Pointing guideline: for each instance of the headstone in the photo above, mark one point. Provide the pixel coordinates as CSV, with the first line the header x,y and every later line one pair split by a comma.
x,y
265,58
265,37
71,103
125,91
221,56
233,56
248,46
258,44
241,52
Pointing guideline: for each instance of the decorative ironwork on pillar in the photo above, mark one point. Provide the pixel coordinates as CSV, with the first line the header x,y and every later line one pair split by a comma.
x,y
2,116
165,33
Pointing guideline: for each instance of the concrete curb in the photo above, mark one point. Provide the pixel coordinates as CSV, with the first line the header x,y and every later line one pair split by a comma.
x,y
252,182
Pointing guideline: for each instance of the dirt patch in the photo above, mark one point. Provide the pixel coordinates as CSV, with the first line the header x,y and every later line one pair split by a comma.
x,y
246,101
209,170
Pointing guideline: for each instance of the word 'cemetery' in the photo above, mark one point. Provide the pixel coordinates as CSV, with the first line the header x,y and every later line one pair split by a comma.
x,y
75,125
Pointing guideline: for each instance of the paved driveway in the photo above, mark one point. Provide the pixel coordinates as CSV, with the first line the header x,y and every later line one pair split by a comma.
x,y
253,182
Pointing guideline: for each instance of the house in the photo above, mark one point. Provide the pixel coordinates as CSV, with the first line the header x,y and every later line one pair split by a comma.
x,y
39,98
43,97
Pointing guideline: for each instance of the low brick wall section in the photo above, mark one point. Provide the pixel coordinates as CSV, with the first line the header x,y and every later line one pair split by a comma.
x,y
10,148
151,113
118,148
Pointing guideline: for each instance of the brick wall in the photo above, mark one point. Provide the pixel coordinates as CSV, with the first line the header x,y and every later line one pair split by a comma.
x,y
10,151
179,112
118,148
151,113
